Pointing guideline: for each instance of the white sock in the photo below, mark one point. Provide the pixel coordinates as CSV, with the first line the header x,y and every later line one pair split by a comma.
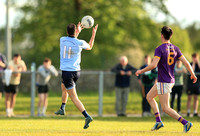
x,y
11,110
8,110
188,111
44,110
195,111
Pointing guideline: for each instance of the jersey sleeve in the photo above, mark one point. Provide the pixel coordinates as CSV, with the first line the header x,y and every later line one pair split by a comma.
x,y
157,53
42,72
23,63
53,70
179,53
84,44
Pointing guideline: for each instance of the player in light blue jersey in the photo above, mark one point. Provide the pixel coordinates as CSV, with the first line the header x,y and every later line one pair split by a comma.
x,y
70,59
70,53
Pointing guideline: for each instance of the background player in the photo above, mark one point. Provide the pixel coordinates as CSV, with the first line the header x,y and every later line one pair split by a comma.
x,y
70,58
178,86
3,65
193,90
44,75
17,65
146,82
165,58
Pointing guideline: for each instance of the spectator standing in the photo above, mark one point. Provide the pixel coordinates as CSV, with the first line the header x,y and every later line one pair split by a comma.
x,y
17,66
123,72
3,65
194,89
146,82
44,75
178,87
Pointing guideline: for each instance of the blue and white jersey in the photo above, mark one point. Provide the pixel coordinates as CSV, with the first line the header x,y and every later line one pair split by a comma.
x,y
70,53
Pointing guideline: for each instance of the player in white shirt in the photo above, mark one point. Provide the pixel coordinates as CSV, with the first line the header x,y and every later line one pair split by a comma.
x,y
45,71
70,59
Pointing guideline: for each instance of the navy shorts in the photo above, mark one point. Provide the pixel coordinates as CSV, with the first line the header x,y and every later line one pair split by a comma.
x,y
69,78
43,89
12,89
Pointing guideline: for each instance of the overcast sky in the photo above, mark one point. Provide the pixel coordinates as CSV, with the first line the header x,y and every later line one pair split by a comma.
x,y
186,11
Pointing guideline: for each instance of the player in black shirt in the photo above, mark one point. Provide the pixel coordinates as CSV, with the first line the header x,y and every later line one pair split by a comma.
x,y
146,82
194,89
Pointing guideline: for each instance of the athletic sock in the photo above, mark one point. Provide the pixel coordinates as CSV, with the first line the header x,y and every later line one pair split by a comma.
x,y
85,114
182,120
158,119
195,111
44,110
62,106
11,110
8,110
188,111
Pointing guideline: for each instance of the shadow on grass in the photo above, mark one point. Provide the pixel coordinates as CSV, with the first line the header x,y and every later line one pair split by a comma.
x,y
117,119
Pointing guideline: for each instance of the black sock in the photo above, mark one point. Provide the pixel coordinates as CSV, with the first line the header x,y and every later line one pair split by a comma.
x,y
62,106
85,114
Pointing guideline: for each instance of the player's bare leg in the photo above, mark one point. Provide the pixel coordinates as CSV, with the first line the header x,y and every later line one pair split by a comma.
x,y
45,104
12,103
61,111
164,101
196,103
40,96
189,104
64,93
7,103
73,95
151,99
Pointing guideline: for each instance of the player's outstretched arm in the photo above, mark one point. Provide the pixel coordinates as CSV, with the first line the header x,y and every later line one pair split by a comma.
x,y
149,67
189,68
92,37
79,28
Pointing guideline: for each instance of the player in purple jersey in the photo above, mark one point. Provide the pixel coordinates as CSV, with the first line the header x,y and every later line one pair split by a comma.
x,y
165,58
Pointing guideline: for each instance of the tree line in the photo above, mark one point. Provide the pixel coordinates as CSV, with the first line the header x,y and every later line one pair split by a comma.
x,y
125,28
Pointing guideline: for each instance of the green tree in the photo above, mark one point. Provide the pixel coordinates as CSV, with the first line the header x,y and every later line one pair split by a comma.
x,y
194,34
124,25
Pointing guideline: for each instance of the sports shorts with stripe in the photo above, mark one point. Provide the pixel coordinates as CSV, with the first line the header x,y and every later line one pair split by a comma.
x,y
164,88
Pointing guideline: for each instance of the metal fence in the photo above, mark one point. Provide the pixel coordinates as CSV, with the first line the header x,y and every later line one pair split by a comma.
x,y
90,80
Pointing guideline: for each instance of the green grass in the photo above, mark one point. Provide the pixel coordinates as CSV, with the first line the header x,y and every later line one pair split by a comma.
x,y
108,126
72,126
89,99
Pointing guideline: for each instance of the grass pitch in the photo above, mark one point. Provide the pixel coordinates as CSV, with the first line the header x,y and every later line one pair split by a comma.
x,y
107,126
89,99
73,126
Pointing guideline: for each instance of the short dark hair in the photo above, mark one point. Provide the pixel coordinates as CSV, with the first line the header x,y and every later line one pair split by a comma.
x,y
146,56
166,32
47,60
194,55
71,28
16,55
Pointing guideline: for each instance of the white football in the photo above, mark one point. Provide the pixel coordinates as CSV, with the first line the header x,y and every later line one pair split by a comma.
x,y
87,21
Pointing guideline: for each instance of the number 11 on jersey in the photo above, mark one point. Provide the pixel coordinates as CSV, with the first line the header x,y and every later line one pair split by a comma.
x,y
69,52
